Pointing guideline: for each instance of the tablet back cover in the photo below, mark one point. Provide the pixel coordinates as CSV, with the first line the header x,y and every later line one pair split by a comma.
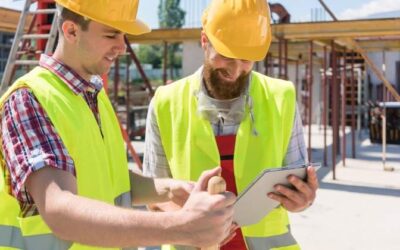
x,y
253,203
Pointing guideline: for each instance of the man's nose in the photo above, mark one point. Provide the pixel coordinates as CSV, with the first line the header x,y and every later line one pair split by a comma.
x,y
235,69
120,46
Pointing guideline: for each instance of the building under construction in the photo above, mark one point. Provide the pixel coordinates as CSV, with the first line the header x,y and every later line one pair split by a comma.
x,y
341,69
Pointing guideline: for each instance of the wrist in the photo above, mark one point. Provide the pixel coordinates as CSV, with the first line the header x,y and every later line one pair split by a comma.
x,y
176,227
163,189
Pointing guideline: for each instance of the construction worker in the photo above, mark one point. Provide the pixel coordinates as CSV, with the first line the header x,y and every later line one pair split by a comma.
x,y
226,114
64,178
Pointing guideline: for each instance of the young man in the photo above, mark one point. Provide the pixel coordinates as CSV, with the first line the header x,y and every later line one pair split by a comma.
x,y
226,114
64,179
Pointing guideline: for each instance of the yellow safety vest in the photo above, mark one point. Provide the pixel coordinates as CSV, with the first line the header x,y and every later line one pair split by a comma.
x,y
190,146
100,162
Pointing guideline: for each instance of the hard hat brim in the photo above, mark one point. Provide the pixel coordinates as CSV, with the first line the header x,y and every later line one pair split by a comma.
x,y
132,27
253,53
135,27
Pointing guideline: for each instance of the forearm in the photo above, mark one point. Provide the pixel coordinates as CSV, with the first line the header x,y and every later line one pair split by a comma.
x,y
95,223
74,218
78,219
146,190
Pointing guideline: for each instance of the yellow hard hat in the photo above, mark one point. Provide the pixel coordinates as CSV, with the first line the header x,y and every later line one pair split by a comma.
x,y
239,29
119,14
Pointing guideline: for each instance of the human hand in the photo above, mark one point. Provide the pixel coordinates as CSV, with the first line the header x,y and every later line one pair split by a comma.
x,y
207,218
168,194
301,196
179,191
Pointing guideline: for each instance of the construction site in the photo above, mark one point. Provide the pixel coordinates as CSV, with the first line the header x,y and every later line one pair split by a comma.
x,y
347,79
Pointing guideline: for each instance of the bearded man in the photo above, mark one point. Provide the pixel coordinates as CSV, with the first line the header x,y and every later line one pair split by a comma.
x,y
227,115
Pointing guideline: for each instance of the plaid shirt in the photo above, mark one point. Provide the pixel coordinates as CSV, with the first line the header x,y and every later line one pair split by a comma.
x,y
29,139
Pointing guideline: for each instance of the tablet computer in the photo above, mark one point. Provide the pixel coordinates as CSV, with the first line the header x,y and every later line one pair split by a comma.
x,y
253,204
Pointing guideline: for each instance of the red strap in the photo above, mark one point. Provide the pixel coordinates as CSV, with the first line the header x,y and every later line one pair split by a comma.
x,y
226,147
226,144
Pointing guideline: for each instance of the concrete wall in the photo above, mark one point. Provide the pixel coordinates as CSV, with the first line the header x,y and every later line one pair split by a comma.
x,y
192,57
317,89
317,94
391,59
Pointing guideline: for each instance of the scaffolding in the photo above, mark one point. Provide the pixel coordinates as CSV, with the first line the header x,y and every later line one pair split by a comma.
x,y
340,49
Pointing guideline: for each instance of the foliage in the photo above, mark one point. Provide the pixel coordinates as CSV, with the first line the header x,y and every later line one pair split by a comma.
x,y
171,15
150,54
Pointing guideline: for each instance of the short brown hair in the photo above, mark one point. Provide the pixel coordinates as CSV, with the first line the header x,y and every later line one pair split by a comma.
x,y
65,14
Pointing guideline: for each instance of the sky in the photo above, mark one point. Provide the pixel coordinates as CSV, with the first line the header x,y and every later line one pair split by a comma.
x,y
300,10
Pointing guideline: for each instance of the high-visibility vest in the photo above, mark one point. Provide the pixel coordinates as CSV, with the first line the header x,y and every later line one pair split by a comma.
x,y
100,161
190,146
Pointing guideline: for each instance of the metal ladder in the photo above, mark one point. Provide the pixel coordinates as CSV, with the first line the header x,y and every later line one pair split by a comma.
x,y
18,47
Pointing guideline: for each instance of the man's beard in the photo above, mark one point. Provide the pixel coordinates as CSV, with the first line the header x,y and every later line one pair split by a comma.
x,y
220,89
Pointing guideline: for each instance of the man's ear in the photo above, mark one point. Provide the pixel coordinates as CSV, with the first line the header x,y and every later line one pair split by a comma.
x,y
203,40
70,31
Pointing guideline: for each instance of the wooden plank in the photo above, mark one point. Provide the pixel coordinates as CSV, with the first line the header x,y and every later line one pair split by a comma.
x,y
338,29
9,20
292,31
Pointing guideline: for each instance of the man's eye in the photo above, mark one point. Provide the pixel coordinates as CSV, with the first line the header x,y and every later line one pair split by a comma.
x,y
110,36
226,58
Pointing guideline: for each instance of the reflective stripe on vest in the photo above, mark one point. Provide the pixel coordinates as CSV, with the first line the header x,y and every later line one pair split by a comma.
x,y
11,237
45,242
190,147
282,242
124,200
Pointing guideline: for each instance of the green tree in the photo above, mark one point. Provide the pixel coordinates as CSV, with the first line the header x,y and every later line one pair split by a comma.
x,y
150,54
170,15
